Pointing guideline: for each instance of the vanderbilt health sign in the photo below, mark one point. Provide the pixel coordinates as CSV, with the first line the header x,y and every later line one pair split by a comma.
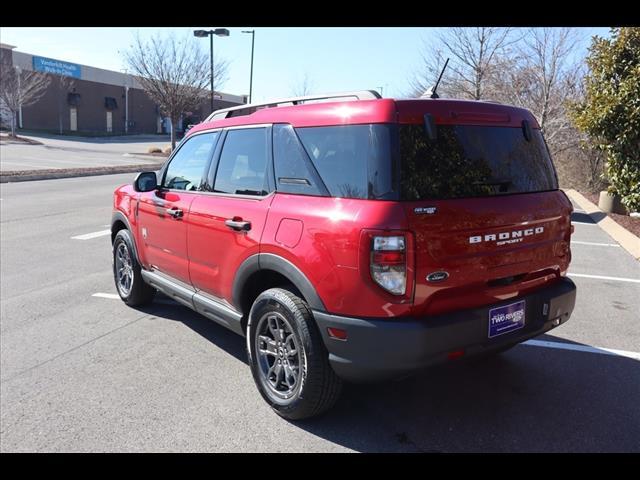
x,y
49,65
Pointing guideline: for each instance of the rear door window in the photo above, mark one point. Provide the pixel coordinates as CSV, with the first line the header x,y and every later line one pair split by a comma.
x,y
472,161
243,163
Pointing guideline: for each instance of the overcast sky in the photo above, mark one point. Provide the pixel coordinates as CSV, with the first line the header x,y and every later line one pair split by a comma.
x,y
334,59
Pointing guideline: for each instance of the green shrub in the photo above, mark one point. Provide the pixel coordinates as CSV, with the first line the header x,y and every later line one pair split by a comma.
x,y
610,112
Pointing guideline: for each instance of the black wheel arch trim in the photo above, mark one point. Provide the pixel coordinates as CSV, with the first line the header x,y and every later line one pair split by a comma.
x,y
119,216
270,261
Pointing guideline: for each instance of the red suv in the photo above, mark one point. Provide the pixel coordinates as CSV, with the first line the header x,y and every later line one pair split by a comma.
x,y
351,237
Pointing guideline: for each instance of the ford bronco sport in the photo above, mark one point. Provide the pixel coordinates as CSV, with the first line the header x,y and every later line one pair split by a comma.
x,y
352,237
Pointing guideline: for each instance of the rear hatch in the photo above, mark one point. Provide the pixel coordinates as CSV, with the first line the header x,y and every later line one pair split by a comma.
x,y
482,200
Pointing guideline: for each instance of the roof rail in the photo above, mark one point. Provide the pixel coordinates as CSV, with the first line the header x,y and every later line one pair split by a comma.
x,y
252,107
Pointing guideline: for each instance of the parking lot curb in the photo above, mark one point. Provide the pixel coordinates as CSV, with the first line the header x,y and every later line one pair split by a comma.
x,y
29,175
624,237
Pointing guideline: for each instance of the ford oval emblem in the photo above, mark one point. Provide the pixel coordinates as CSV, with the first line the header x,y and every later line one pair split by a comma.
x,y
437,276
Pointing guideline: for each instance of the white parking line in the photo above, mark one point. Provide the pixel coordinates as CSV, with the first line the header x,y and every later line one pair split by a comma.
x,y
582,348
585,223
112,296
601,277
88,236
574,242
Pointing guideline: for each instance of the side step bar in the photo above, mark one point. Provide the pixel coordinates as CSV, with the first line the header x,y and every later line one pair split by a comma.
x,y
198,301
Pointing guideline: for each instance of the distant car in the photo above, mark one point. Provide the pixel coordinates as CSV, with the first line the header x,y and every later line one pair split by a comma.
x,y
351,237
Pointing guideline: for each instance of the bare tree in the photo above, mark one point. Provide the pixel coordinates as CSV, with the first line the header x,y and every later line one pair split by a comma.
x,y
533,68
20,89
174,73
542,76
303,86
64,86
474,54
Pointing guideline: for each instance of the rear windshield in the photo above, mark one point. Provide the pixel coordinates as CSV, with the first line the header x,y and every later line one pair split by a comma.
x,y
400,162
472,161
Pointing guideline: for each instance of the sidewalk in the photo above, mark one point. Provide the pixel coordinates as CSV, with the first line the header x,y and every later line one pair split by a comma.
x,y
625,238
123,144
59,157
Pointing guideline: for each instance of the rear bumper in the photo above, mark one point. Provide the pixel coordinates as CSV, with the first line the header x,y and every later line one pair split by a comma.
x,y
378,349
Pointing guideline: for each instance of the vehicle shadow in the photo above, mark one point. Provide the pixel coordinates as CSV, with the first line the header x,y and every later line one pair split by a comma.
x,y
530,399
586,218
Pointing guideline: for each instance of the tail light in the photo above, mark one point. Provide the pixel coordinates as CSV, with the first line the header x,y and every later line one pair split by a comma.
x,y
389,263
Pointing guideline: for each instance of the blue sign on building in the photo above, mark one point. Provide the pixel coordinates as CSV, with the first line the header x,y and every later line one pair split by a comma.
x,y
49,65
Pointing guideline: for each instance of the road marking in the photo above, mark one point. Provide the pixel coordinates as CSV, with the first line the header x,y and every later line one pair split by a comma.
x,y
582,348
89,236
600,277
596,244
112,296
585,223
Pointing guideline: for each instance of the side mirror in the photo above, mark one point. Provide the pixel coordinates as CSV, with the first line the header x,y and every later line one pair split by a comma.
x,y
145,182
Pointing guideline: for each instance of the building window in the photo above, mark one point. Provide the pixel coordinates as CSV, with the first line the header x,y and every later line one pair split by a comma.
x,y
73,99
110,103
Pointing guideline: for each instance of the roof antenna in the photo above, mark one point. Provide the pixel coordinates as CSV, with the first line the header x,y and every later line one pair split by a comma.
x,y
433,90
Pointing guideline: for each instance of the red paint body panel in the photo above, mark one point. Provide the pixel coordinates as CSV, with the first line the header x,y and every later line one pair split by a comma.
x,y
463,112
328,252
215,250
442,244
163,238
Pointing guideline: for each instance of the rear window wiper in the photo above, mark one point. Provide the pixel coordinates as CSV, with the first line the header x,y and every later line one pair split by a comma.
x,y
501,183
495,181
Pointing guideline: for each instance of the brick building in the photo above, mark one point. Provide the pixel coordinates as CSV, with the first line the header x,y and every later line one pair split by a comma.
x,y
95,101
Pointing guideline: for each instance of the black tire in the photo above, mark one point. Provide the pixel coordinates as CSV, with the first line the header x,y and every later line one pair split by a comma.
x,y
139,293
316,388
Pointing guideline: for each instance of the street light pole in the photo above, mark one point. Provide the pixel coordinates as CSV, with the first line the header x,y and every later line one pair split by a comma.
x,y
253,38
211,57
220,32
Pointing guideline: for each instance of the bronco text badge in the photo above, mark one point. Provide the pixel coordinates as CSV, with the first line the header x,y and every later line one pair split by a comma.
x,y
503,238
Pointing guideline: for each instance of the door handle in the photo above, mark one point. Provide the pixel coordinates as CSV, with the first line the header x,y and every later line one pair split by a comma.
x,y
238,224
174,212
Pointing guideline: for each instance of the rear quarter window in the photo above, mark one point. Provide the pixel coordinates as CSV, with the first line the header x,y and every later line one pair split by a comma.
x,y
354,161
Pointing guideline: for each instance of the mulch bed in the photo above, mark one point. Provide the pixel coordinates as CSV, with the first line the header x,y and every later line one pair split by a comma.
x,y
154,154
625,221
9,138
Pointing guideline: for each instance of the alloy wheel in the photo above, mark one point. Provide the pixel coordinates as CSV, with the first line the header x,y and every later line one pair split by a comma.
x,y
278,355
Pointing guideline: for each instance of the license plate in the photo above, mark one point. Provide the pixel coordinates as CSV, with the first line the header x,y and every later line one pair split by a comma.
x,y
506,319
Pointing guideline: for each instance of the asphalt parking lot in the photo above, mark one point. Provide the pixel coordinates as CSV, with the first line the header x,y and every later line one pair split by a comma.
x,y
81,371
